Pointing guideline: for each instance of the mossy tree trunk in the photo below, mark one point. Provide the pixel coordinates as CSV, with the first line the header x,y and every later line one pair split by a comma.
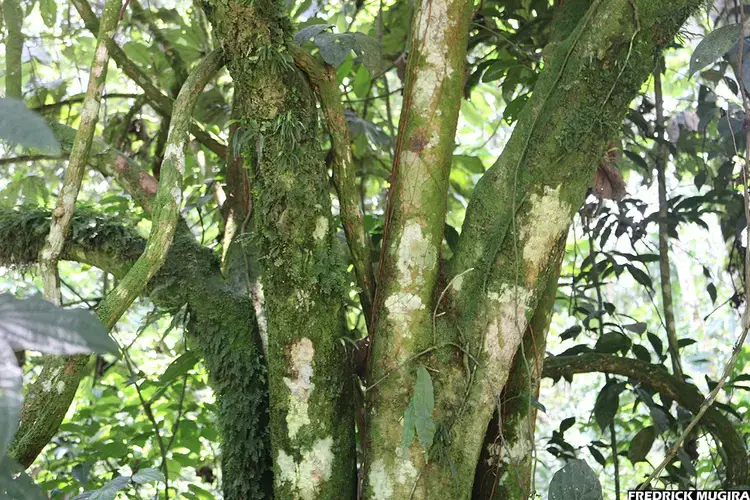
x,y
301,269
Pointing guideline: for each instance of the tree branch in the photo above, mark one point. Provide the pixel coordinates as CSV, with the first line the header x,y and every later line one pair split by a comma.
x,y
63,214
409,271
13,48
662,156
44,410
657,378
160,102
323,79
112,163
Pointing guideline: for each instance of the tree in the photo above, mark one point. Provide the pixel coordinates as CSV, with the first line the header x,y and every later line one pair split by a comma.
x,y
451,333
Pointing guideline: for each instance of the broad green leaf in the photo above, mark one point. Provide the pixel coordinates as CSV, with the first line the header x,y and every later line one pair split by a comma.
x,y
451,237
612,342
597,455
567,424
470,164
107,492
424,403
575,481
640,276
149,475
368,50
48,10
334,47
606,404
656,343
11,397
641,353
641,444
305,34
37,324
19,125
178,367
713,46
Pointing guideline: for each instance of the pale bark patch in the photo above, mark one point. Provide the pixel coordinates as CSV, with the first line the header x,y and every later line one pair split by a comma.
x,y
310,473
321,228
380,482
508,307
433,23
548,217
415,255
301,386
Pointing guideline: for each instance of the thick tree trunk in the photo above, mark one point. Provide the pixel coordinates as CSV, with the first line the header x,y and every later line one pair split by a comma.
x,y
311,414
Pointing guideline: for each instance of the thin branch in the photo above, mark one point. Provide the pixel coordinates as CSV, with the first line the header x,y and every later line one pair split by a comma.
x,y
160,102
344,175
63,214
11,10
78,99
664,270
657,378
42,418
168,197
25,158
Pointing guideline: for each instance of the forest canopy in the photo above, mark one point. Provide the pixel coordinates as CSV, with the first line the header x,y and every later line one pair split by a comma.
x,y
373,249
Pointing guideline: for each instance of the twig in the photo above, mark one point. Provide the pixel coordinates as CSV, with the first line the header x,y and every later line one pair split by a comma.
x,y
664,271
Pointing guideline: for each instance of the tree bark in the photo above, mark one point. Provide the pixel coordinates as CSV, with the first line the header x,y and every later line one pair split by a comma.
x,y
310,384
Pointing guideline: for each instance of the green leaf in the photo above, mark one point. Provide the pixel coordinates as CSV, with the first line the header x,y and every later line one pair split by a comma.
x,y
713,46
638,328
308,32
641,353
368,50
597,455
48,10
606,404
567,424
334,47
612,342
640,276
575,481
451,237
11,396
470,164
19,125
149,475
641,444
711,289
424,403
178,367
36,324
107,492
656,344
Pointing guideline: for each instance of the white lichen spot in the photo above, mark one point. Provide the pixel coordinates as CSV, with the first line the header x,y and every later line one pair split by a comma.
x,y
546,220
177,195
401,306
60,387
321,228
301,386
519,449
508,309
405,471
173,154
380,482
306,476
415,255
433,23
